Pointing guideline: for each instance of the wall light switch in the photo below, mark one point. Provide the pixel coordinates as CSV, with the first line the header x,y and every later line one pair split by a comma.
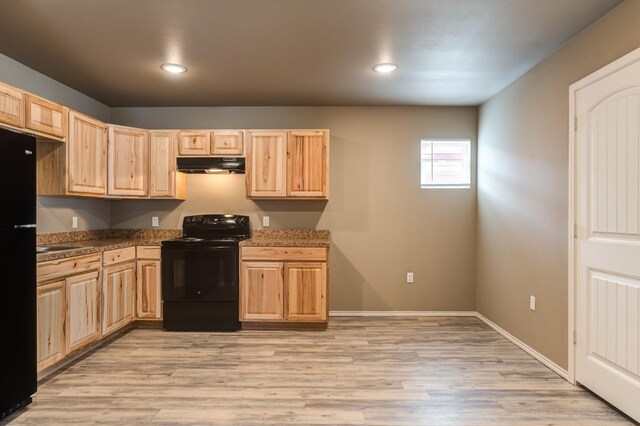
x,y
154,221
532,303
265,221
74,222
410,277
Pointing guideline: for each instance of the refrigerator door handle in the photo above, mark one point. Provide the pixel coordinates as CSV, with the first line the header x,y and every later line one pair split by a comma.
x,y
30,225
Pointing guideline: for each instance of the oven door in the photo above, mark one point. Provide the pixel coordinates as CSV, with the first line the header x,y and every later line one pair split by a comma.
x,y
200,274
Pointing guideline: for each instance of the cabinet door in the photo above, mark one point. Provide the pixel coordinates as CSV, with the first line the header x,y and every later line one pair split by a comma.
x,y
128,161
118,293
148,293
51,319
162,164
228,143
307,168
261,291
82,294
86,155
193,143
306,291
11,106
266,165
46,117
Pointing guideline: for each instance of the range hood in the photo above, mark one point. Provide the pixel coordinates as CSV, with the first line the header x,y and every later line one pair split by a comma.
x,y
211,165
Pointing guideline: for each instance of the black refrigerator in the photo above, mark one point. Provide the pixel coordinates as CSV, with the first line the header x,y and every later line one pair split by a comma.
x,y
18,375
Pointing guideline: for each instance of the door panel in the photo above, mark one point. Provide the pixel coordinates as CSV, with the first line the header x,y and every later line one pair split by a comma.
x,y
615,184
199,274
306,291
46,117
118,293
193,143
148,296
227,142
51,321
128,161
86,155
307,164
11,106
266,172
261,291
162,164
82,325
18,159
607,248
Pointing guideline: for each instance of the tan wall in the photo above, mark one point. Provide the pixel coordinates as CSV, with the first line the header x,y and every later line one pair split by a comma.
x,y
522,186
383,224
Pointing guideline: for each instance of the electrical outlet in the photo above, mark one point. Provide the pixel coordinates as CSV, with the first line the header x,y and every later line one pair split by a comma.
x,y
410,277
74,222
532,303
265,221
154,221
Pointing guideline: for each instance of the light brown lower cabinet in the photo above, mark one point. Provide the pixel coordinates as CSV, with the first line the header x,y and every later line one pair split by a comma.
x,y
148,283
82,294
51,323
306,290
118,296
262,291
78,302
282,285
68,297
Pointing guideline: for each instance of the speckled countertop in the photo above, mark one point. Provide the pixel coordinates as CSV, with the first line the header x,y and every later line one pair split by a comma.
x,y
88,242
288,238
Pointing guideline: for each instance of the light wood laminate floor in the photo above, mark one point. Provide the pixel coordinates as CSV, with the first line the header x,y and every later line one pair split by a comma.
x,y
395,371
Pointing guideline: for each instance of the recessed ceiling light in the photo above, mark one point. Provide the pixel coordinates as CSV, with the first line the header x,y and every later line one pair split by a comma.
x,y
385,68
174,68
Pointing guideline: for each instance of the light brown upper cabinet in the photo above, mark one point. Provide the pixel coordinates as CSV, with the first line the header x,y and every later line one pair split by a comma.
x,y
164,180
128,160
227,143
266,164
288,164
193,143
86,156
308,164
11,106
46,118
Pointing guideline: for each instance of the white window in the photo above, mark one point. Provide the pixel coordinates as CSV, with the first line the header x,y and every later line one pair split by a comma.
x,y
445,163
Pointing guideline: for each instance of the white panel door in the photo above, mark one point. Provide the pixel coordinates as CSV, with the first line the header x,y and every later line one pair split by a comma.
x,y
608,238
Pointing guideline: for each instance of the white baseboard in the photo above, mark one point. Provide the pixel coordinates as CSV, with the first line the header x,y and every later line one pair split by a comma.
x,y
402,313
528,349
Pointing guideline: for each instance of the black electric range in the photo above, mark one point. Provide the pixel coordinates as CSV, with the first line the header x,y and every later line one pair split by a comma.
x,y
200,274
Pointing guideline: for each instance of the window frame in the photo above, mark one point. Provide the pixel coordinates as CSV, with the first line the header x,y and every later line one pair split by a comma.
x,y
447,185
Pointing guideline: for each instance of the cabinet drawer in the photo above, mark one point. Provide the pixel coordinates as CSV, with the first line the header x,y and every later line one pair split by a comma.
x,y
46,117
120,255
284,253
148,252
69,266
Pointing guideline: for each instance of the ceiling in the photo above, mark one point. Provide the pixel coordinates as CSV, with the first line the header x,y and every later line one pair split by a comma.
x,y
289,52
